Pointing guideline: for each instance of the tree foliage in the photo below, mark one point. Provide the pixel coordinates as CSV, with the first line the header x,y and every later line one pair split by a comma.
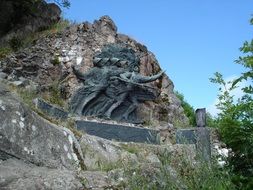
x,y
188,109
235,120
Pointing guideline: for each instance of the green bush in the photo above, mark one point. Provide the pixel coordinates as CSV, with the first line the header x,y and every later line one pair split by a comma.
x,y
211,121
235,123
55,60
54,95
235,120
15,43
4,52
188,109
185,174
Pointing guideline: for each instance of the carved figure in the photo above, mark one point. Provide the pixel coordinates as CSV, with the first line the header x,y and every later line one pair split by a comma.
x,y
113,88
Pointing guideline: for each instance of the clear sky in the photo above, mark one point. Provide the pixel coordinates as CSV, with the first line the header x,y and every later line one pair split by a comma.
x,y
191,39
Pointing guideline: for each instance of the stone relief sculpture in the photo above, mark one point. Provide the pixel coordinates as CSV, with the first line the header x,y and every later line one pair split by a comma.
x,y
113,88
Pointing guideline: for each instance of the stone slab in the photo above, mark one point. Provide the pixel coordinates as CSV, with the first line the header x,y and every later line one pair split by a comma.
x,y
201,117
16,174
50,110
200,136
29,137
117,132
186,136
203,143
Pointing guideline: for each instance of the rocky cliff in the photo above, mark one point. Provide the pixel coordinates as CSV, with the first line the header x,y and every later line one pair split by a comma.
x,y
41,152
19,19
48,61
38,154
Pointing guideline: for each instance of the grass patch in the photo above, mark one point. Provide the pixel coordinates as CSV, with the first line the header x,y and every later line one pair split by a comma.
x,y
54,29
130,148
19,42
28,96
70,124
53,95
184,174
4,52
16,43
108,166
58,27
55,60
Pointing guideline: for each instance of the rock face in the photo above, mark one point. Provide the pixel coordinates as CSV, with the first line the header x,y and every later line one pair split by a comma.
x,y
25,135
50,60
18,20
18,175
100,152
36,154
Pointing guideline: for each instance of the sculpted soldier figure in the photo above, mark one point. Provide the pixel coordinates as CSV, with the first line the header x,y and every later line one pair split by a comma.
x,y
113,88
133,82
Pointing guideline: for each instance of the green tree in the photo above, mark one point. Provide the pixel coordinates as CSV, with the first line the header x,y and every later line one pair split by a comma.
x,y
235,120
188,109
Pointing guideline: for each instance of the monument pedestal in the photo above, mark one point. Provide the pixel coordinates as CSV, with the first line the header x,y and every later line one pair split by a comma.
x,y
119,132
200,135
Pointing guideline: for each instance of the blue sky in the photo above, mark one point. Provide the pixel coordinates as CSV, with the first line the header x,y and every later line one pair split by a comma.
x,y
191,39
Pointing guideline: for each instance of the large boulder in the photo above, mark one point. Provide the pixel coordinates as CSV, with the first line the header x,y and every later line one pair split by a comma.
x,y
27,136
18,175
103,154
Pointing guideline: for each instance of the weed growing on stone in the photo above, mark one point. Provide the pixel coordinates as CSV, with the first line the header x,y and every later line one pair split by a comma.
x,y
130,148
108,166
70,124
27,95
177,123
53,95
58,27
55,61
55,28
4,52
19,42
16,43
183,174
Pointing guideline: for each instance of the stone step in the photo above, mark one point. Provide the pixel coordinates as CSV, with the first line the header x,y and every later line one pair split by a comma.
x,y
122,133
